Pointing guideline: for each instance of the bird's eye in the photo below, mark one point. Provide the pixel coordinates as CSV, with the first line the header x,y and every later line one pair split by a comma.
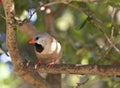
x,y
36,38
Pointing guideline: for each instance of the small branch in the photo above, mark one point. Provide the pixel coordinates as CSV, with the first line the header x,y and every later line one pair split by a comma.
x,y
112,21
95,22
49,22
58,10
106,53
54,3
64,2
104,70
29,29
112,33
2,16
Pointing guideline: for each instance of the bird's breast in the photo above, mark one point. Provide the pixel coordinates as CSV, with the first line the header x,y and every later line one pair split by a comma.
x,y
51,50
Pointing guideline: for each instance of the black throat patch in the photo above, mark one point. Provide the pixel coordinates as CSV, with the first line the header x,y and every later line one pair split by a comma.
x,y
39,47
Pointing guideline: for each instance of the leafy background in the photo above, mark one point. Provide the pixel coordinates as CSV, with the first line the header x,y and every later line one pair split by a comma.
x,y
82,41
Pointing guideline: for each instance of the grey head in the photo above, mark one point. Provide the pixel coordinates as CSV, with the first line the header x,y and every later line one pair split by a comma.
x,y
41,41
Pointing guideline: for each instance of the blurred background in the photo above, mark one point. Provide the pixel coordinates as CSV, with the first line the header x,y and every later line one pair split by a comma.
x,y
82,40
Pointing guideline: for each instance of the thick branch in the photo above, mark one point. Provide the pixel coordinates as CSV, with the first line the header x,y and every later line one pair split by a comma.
x,y
49,22
17,60
29,29
104,70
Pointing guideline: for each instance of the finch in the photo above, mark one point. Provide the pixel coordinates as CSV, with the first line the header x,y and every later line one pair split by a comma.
x,y
48,50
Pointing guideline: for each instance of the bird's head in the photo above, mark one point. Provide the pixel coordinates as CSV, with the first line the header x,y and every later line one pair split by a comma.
x,y
39,41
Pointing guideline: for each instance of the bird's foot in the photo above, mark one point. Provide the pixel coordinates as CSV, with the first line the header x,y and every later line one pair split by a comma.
x,y
26,62
37,64
51,64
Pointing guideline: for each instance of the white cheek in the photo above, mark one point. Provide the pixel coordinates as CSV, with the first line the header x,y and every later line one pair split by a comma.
x,y
53,46
41,42
58,47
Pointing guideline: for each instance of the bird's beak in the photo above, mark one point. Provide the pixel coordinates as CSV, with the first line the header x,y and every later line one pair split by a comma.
x,y
32,41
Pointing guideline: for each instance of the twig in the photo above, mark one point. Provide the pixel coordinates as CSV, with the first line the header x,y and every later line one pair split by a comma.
x,y
95,21
112,20
46,5
31,14
58,10
58,2
106,53
112,32
2,16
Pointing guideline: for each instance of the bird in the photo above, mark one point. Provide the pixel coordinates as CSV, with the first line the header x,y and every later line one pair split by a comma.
x,y
47,49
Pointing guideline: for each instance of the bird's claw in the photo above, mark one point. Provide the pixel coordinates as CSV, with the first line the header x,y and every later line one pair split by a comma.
x,y
37,64
27,64
51,64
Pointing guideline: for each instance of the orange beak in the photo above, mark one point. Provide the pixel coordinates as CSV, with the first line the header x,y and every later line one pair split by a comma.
x,y
32,41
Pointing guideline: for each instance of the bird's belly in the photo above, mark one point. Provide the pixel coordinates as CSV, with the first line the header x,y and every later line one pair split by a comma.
x,y
45,58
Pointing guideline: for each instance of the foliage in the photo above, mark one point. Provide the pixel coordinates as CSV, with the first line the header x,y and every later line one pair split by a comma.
x,y
7,79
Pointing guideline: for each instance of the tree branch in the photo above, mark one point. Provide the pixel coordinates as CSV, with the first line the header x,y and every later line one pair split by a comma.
x,y
17,60
104,70
49,22
29,29
2,16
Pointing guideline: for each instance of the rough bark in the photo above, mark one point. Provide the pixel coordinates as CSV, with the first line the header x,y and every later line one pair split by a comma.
x,y
17,60
104,70
28,29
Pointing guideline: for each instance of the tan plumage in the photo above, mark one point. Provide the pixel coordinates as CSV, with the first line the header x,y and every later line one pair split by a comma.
x,y
48,50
